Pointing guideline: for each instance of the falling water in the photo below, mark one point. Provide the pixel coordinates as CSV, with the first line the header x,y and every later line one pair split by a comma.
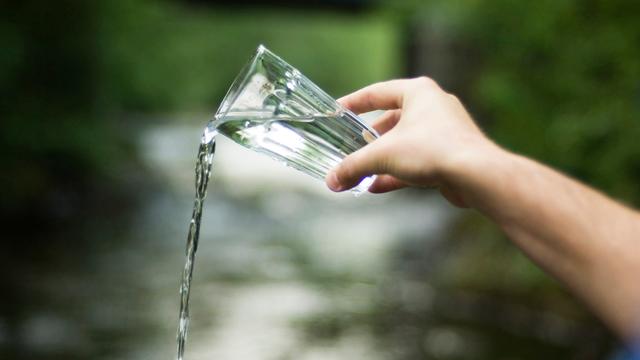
x,y
204,160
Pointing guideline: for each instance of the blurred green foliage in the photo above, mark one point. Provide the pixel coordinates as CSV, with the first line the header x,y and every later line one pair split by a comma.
x,y
53,142
560,81
73,70
557,80
170,57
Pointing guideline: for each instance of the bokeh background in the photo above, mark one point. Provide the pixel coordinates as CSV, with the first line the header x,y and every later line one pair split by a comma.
x,y
103,103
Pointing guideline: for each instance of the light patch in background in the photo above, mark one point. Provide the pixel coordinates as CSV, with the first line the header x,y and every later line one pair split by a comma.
x,y
259,218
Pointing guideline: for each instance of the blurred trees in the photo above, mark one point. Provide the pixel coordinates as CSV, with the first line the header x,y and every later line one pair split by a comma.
x,y
557,80
53,140
73,72
560,81
170,56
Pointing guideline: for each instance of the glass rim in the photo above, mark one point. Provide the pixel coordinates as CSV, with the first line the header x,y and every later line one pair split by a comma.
x,y
241,79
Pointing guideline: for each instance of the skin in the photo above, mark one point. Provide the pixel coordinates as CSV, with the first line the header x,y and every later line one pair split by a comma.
x,y
586,240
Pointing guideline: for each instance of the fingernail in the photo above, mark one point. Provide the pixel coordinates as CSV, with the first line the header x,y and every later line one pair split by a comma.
x,y
332,182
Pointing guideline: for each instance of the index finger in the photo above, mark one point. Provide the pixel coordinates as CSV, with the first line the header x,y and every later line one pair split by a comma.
x,y
383,95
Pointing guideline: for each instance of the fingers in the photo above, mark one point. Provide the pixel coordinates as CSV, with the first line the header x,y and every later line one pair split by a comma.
x,y
387,95
386,183
371,159
382,95
387,121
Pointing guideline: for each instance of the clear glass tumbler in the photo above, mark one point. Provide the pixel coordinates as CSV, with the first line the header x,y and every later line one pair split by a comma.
x,y
275,110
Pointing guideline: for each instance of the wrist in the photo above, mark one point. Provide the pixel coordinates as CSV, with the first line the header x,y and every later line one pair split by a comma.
x,y
463,171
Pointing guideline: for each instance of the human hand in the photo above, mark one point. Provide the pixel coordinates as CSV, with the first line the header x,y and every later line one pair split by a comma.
x,y
424,132
577,234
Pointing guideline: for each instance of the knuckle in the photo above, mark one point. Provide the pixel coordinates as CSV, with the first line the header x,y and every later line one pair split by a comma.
x,y
384,165
426,82
345,102
384,152
369,99
453,98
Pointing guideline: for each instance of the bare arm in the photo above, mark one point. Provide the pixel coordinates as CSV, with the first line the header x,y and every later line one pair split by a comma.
x,y
588,241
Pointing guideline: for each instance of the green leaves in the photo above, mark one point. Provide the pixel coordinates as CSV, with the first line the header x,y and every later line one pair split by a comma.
x,y
560,82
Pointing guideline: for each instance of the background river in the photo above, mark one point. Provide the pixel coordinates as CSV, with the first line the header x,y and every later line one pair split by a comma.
x,y
277,248
285,270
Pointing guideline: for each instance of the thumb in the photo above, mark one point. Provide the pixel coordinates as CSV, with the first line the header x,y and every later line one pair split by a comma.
x,y
371,159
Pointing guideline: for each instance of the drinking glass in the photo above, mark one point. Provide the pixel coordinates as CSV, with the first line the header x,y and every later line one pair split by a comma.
x,y
275,110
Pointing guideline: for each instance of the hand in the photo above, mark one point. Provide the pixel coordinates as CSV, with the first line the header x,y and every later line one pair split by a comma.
x,y
577,234
424,131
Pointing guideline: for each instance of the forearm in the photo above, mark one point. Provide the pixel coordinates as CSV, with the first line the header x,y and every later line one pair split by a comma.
x,y
583,238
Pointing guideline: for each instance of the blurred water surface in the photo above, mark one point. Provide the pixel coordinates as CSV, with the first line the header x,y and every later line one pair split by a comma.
x,y
260,245
285,269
